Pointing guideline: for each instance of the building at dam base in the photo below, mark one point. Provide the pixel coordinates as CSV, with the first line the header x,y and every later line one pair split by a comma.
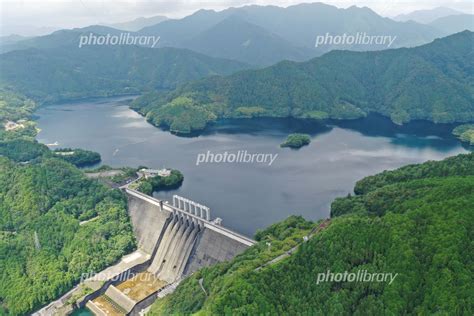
x,y
173,241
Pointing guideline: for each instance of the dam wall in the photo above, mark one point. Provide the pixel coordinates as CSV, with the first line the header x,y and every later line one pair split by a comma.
x,y
212,247
176,240
174,250
180,239
173,242
148,221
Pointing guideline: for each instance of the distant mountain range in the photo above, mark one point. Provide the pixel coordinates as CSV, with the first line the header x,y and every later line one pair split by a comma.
x,y
271,33
237,39
26,30
61,38
138,23
264,35
427,16
431,82
11,39
454,23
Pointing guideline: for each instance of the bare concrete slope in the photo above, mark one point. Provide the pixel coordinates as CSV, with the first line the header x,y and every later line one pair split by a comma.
x,y
211,248
148,221
180,242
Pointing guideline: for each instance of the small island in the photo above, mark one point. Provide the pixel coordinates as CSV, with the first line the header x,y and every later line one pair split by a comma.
x,y
296,141
465,133
158,180
141,179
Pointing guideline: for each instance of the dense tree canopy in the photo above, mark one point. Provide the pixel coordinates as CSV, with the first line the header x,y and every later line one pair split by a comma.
x,y
43,200
44,249
78,157
68,72
296,140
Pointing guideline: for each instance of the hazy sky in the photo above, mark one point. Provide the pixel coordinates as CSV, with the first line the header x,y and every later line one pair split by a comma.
x,y
18,14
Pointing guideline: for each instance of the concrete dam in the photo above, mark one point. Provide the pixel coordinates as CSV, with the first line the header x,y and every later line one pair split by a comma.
x,y
175,240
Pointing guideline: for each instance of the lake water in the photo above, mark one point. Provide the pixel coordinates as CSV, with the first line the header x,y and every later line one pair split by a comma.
x,y
249,196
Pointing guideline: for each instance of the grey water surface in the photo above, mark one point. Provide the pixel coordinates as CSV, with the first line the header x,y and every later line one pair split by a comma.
x,y
250,196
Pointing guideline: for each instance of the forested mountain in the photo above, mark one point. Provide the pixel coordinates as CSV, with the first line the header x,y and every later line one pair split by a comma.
x,y
417,224
297,26
237,39
44,249
301,23
57,39
70,72
431,82
262,35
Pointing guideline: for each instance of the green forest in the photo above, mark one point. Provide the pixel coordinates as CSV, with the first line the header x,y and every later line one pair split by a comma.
x,y
78,157
50,75
44,249
43,199
415,221
16,108
430,82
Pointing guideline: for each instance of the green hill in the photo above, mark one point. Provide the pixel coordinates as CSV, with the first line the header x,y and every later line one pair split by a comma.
x,y
44,249
417,224
46,239
43,198
431,82
69,72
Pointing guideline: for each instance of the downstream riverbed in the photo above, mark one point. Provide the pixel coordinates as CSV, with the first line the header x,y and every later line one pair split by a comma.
x,y
249,196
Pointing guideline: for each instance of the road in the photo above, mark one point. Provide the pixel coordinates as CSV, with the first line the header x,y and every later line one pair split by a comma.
x,y
288,253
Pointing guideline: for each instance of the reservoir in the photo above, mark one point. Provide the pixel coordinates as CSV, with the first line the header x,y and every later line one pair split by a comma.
x,y
253,195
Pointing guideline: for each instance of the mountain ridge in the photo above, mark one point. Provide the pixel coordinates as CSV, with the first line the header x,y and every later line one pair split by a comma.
x,y
427,16
138,23
298,25
432,82
296,28
454,23
68,73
